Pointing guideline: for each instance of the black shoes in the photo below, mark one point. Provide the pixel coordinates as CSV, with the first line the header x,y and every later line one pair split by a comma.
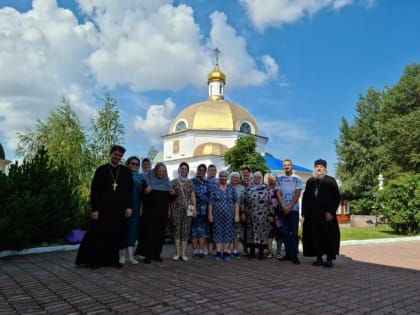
x,y
295,260
318,262
328,264
284,258
147,260
158,259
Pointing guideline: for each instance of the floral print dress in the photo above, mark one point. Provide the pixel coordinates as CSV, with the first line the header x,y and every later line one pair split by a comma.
x,y
257,205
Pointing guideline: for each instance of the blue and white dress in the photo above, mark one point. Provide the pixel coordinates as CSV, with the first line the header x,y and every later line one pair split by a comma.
x,y
223,203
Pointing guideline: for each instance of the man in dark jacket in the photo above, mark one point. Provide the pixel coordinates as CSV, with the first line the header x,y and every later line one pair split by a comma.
x,y
321,233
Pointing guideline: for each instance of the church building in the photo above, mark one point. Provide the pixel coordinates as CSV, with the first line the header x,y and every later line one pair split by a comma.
x,y
202,132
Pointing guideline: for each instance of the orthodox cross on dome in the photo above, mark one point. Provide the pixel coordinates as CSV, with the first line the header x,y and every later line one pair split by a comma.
x,y
217,52
216,80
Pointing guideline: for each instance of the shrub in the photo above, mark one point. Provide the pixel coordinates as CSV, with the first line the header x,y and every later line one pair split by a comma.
x,y
400,203
37,204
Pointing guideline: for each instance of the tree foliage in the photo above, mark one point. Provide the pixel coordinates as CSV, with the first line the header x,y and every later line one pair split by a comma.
x,y
38,203
64,139
67,150
399,203
105,131
151,154
243,153
383,138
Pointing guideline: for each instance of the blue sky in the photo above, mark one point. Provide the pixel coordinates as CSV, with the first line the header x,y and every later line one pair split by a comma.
x,y
297,66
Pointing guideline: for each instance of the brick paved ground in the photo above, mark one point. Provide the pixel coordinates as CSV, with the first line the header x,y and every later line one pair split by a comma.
x,y
379,279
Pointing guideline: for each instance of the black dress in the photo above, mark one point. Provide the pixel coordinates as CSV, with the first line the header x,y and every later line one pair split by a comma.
x,y
154,220
101,243
319,236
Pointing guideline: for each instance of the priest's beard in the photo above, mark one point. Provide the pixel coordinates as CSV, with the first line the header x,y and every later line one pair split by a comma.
x,y
320,175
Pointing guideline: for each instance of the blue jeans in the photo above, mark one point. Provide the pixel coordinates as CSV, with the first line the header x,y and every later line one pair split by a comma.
x,y
291,237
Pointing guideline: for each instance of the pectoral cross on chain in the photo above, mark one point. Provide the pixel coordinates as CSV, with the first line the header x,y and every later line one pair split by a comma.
x,y
316,192
114,185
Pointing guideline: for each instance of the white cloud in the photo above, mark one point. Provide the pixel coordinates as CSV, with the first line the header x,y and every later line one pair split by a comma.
x,y
235,60
270,66
140,45
157,121
42,55
265,13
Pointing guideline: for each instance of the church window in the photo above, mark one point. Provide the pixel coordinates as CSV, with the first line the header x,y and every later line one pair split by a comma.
x,y
180,126
245,128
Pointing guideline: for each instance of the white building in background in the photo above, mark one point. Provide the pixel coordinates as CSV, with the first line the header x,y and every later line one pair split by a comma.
x,y
202,132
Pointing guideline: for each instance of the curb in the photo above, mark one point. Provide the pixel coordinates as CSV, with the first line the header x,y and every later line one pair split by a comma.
x,y
58,248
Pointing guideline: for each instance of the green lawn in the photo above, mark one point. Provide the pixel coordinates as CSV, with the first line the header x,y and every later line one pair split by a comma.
x,y
367,233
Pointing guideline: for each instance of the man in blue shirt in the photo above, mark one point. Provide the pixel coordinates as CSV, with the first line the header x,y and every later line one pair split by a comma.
x,y
289,190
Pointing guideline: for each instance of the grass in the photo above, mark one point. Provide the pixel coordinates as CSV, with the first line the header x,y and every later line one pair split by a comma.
x,y
368,233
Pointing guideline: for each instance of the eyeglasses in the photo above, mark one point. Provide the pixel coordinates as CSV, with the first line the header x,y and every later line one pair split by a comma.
x,y
134,163
184,168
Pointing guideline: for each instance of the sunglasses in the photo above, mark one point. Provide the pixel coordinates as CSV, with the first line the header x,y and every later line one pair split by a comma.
x,y
134,163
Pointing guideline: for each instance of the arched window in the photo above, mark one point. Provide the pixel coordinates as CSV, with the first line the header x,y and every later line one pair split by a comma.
x,y
245,128
181,125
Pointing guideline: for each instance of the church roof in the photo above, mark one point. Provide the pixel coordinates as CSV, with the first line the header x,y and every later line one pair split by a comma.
x,y
277,164
2,155
210,148
214,115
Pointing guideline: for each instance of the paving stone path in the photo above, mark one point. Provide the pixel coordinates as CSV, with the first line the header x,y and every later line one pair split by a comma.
x,y
367,279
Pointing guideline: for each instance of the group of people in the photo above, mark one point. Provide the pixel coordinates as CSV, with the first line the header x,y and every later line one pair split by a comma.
x,y
131,212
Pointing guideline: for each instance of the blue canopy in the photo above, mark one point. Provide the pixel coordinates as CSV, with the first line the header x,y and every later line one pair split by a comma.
x,y
277,164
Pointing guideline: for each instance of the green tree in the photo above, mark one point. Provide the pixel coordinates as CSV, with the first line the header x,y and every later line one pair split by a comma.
x,y
152,153
358,164
400,127
38,203
243,153
400,203
105,131
383,138
64,139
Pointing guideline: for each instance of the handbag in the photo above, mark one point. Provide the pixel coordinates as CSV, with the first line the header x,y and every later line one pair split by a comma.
x,y
190,207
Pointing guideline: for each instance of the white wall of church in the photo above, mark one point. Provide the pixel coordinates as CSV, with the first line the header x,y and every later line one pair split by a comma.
x,y
183,145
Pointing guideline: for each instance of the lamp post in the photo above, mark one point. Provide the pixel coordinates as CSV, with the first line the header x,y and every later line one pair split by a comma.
x,y
380,187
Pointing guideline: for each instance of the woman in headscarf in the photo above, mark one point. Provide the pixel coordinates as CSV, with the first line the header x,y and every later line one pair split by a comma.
x,y
182,211
223,213
131,234
258,206
200,224
240,189
157,197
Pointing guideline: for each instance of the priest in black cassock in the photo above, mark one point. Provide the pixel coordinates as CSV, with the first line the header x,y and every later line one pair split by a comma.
x,y
111,200
321,233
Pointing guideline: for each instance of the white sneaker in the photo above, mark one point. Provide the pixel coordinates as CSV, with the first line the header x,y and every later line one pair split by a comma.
x,y
122,260
140,257
184,258
176,257
132,261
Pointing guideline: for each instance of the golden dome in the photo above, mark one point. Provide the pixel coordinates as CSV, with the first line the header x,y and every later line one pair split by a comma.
x,y
216,75
210,148
214,115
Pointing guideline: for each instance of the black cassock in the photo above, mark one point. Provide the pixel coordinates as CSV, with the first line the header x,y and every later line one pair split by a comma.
x,y
101,243
319,236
